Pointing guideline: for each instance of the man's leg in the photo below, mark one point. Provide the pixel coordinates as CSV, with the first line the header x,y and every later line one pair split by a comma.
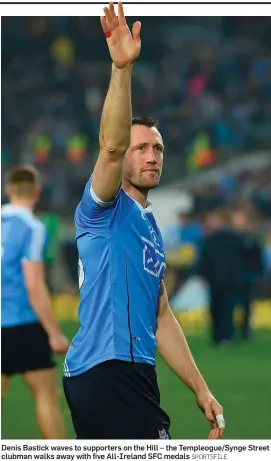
x,y
4,385
44,388
6,359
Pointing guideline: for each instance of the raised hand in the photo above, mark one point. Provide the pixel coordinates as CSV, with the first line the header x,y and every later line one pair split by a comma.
x,y
124,47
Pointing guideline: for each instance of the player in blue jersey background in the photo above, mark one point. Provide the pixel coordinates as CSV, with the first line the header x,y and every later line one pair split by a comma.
x,y
29,333
109,379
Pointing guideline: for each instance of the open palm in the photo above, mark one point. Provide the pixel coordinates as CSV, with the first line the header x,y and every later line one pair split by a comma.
x,y
124,47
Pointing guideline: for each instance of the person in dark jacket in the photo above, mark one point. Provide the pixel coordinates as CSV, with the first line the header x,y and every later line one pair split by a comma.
x,y
253,260
222,266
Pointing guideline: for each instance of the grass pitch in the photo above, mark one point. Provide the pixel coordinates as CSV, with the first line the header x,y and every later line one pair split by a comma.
x,y
239,376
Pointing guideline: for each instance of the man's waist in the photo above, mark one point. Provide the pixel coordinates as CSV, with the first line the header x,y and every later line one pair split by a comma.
x,y
15,312
12,321
72,367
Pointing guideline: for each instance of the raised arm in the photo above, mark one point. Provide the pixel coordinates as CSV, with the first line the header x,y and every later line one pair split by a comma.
x,y
115,128
175,351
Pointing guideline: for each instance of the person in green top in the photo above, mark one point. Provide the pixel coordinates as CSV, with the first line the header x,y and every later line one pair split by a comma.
x,y
53,225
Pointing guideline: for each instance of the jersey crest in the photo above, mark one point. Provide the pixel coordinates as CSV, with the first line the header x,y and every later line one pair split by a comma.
x,y
153,258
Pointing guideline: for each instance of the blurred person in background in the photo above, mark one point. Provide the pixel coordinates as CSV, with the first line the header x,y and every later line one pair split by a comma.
x,y
222,266
53,226
29,333
182,242
70,259
267,265
109,379
253,269
190,235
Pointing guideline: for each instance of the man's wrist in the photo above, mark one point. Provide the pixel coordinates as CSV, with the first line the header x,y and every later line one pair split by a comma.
x,y
201,387
53,331
126,68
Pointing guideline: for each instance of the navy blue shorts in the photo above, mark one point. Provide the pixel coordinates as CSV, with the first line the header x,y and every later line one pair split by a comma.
x,y
25,348
116,400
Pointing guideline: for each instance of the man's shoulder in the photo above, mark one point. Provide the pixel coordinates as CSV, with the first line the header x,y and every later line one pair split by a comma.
x,y
23,217
92,212
34,224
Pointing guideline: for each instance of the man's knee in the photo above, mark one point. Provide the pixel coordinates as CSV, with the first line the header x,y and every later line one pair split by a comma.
x,y
43,385
46,392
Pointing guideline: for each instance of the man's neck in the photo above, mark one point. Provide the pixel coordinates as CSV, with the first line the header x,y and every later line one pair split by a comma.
x,y
25,203
140,196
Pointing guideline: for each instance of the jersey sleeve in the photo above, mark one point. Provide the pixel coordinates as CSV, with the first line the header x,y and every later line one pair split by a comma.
x,y
92,214
35,243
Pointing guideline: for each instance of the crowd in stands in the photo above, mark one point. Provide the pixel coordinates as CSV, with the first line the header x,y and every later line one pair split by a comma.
x,y
237,201
207,80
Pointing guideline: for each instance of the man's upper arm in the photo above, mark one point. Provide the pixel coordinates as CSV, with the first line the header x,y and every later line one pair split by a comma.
x,y
107,175
92,213
163,299
35,241
33,255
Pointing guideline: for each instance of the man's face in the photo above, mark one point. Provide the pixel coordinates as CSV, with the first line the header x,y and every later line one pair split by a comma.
x,y
239,221
213,221
144,159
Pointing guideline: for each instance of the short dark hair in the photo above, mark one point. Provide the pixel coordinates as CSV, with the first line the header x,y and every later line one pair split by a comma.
x,y
145,120
24,180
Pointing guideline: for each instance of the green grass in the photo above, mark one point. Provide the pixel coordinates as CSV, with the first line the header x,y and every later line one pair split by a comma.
x,y
240,377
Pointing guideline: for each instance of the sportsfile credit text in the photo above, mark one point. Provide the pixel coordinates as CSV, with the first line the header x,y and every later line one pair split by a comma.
x,y
136,451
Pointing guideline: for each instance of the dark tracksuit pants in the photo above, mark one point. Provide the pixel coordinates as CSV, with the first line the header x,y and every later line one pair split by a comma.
x,y
223,300
222,303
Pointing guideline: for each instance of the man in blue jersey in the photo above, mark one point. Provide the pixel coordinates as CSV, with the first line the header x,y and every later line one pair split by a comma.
x,y
110,380
29,333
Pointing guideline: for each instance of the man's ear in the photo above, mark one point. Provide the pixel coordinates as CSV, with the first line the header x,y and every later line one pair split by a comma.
x,y
8,190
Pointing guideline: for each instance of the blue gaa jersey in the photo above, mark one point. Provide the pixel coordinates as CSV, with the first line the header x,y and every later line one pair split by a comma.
x,y
121,266
23,238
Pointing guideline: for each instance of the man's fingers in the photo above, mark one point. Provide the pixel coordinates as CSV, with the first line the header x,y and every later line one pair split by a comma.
x,y
136,30
121,16
109,19
218,413
113,14
104,24
209,415
211,434
214,434
213,424
220,420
